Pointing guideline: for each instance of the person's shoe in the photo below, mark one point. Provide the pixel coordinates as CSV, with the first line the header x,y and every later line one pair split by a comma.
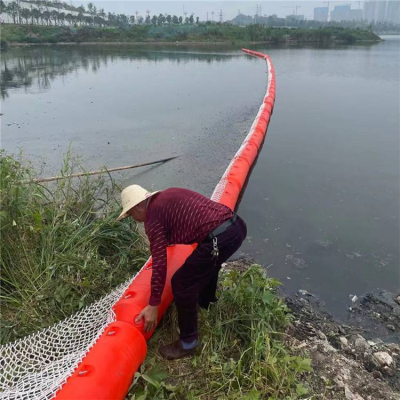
x,y
175,351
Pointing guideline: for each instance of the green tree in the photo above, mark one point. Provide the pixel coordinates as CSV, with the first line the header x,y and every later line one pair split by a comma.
x,y
147,20
98,21
88,20
123,20
154,20
36,14
13,11
180,20
197,20
169,19
47,17
160,19
90,8
25,14
80,17
54,16
132,19
3,7
191,19
61,17
74,20
69,18
175,20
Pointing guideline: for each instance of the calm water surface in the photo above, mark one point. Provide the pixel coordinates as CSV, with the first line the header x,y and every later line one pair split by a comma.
x,y
322,204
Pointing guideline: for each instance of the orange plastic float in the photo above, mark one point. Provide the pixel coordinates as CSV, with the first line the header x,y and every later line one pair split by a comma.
x,y
107,370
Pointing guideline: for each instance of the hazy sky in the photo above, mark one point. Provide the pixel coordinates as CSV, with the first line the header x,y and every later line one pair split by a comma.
x,y
200,8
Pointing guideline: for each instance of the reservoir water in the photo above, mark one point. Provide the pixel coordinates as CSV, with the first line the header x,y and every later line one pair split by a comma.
x,y
322,203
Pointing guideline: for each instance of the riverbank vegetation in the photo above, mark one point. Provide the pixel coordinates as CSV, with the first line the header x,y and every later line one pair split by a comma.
x,y
61,247
206,33
244,352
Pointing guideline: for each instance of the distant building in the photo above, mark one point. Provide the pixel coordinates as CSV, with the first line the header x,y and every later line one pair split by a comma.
x,y
341,13
369,11
393,12
321,14
382,11
356,15
295,17
242,20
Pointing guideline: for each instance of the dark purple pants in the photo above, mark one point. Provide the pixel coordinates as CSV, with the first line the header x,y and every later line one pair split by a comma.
x,y
196,281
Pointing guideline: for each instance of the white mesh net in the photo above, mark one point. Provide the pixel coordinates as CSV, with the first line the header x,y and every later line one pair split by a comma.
x,y
36,367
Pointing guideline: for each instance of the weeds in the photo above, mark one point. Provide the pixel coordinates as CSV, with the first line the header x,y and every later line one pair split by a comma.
x,y
61,247
244,353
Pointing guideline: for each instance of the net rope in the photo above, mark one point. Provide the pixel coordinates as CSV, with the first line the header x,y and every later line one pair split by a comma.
x,y
37,366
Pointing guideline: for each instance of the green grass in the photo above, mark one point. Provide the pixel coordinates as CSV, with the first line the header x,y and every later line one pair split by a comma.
x,y
244,354
61,247
207,33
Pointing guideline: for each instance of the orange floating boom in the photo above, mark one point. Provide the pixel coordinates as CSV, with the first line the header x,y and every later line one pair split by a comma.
x,y
107,370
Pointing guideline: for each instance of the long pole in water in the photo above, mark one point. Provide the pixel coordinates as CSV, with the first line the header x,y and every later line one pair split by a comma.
x,y
57,178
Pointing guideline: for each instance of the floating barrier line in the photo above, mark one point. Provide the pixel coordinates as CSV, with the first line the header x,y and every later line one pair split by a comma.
x,y
94,354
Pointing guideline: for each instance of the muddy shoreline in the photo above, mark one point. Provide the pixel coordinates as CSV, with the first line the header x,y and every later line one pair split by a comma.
x,y
347,363
356,359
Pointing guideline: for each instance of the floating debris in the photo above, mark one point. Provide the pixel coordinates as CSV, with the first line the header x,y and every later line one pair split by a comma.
x,y
354,298
298,262
324,243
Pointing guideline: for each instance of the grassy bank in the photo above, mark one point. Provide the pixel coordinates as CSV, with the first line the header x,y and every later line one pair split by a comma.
x,y
61,247
207,33
244,352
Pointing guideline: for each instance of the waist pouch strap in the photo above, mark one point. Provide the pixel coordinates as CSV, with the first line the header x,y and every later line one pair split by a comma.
x,y
222,228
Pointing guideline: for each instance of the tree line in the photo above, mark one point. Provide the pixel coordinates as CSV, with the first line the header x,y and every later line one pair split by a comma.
x,y
48,13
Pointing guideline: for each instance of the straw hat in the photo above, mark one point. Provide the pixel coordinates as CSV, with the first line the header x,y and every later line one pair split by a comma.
x,y
132,196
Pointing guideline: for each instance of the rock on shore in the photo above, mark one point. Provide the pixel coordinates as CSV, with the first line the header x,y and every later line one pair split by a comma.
x,y
346,365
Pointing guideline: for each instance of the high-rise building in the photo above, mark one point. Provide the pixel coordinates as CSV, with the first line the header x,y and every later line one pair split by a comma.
x,y
341,13
393,12
382,11
356,15
321,14
369,11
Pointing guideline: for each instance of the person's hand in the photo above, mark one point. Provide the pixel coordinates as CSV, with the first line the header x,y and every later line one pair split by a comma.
x,y
150,314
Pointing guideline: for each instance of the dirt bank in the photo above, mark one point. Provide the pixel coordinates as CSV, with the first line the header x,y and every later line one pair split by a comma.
x,y
348,363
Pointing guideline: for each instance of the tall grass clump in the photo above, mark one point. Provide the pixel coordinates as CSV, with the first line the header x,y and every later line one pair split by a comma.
x,y
61,246
244,351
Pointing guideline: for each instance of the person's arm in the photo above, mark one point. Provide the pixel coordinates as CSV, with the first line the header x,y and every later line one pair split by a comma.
x,y
158,248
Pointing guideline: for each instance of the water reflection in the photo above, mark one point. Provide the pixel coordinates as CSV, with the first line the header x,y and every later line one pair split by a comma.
x,y
37,67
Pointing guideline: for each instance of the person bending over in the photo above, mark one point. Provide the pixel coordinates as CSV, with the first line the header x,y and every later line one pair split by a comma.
x,y
182,216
